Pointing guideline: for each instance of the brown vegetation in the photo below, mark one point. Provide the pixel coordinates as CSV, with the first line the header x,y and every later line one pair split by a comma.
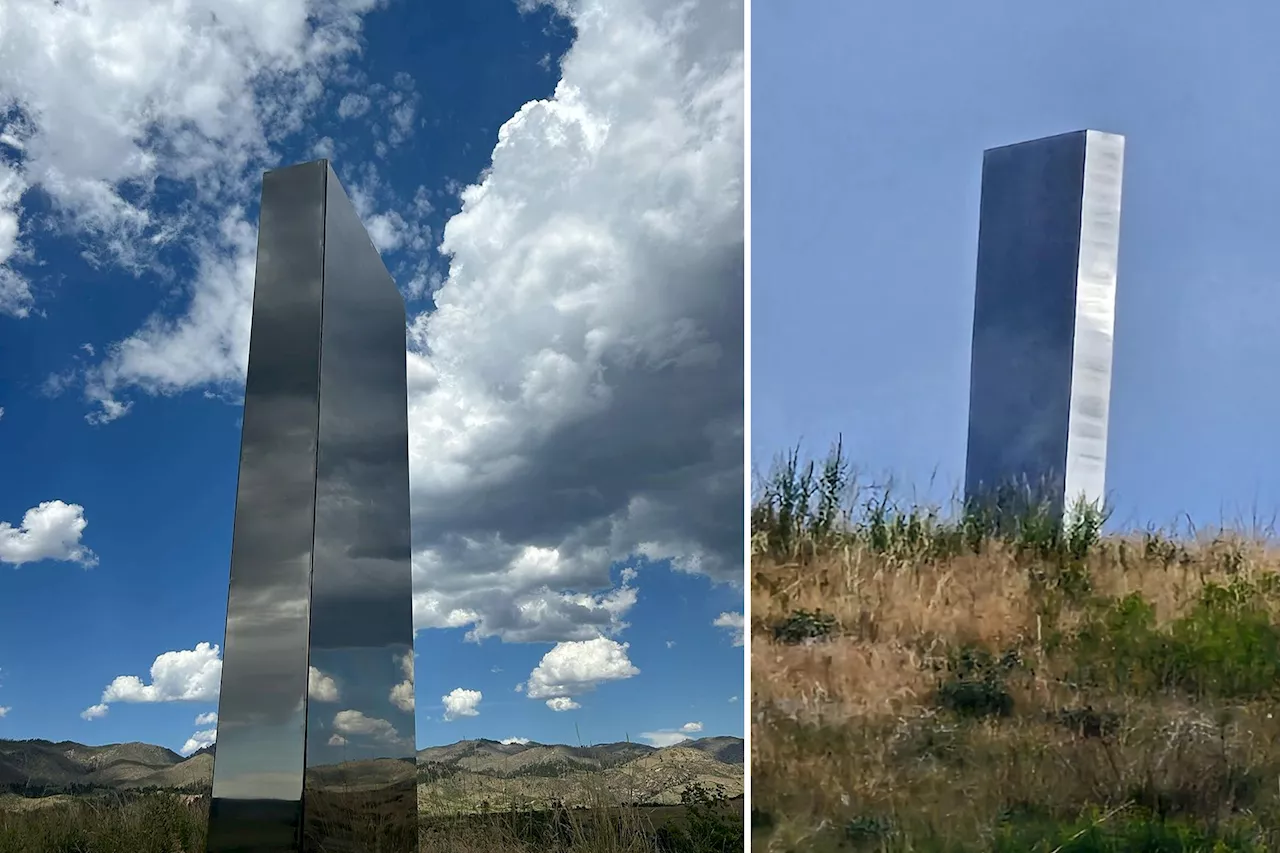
x,y
1006,683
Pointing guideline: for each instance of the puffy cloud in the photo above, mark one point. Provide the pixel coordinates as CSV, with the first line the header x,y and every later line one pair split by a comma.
x,y
191,92
199,741
574,668
514,740
4,709
562,703
356,724
461,703
50,531
208,719
337,740
689,728
518,604
15,290
191,675
353,105
207,346
321,687
402,695
734,623
595,280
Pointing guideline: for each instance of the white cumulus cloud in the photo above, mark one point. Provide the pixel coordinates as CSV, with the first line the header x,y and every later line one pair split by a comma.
x,y
321,687
514,740
49,531
191,675
191,92
573,668
354,723
198,741
461,703
562,703
402,695
207,719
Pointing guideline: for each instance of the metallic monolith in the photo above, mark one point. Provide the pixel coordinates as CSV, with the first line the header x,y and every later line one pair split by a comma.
x,y
315,721
1044,320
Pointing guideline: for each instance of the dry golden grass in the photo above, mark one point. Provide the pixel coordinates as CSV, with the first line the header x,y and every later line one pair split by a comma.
x,y
855,746
170,823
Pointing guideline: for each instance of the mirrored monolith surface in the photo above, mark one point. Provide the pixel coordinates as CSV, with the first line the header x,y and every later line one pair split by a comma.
x,y
1044,321
315,721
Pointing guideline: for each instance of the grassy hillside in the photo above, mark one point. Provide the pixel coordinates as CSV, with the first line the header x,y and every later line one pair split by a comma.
x,y
971,682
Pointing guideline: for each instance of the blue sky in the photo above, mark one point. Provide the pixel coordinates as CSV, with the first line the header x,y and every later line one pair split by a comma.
x,y
575,463
868,125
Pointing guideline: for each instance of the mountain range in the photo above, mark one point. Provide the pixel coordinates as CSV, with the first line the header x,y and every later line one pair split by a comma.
x,y
463,774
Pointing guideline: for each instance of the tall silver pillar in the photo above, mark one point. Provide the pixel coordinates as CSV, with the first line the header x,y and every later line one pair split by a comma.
x,y
1044,318
315,721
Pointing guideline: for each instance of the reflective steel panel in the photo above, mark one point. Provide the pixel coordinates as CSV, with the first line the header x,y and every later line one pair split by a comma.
x,y
1086,467
1044,310
315,729
361,786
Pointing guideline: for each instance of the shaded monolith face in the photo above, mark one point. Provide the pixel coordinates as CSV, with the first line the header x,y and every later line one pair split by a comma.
x,y
315,721
1044,320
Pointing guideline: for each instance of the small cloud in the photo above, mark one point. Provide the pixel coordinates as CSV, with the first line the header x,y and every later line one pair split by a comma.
x,y
577,667
671,644
355,723
49,531
733,623
402,695
4,709
511,741
733,698
337,740
199,741
207,719
112,410
562,703
321,687
189,675
324,148
94,712
353,106
671,737
461,703
628,575
87,348
666,737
